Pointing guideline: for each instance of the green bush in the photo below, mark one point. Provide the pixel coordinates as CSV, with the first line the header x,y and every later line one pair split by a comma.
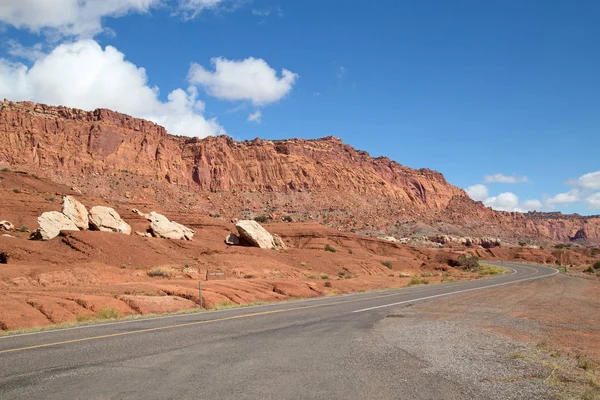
x,y
387,264
468,263
15,190
329,248
24,228
596,266
287,218
491,270
323,276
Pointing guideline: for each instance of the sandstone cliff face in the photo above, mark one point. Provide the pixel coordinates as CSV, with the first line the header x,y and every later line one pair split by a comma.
x,y
324,180
75,141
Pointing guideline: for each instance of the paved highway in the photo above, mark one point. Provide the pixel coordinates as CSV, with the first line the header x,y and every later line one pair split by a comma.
x,y
312,349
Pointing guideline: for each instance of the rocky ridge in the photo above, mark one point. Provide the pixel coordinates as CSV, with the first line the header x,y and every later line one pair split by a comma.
x,y
320,180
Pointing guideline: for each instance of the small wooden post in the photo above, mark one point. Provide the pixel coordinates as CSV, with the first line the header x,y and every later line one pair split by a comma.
x,y
200,291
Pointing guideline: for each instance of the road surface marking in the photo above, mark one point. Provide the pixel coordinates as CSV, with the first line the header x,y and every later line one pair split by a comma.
x,y
456,292
397,292
161,328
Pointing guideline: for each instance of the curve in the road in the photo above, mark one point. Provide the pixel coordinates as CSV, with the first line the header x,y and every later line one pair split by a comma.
x,y
521,273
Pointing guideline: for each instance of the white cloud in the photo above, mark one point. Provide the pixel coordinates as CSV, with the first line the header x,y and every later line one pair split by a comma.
x,y
501,178
507,201
83,75
531,205
255,117
68,17
504,202
191,8
589,181
32,53
251,79
478,192
317,94
593,201
571,196
261,13
341,72
268,11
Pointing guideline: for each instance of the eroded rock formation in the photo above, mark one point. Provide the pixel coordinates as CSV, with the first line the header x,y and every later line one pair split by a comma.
x,y
320,180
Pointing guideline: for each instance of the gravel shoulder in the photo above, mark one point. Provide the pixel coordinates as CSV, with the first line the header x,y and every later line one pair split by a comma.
x,y
536,340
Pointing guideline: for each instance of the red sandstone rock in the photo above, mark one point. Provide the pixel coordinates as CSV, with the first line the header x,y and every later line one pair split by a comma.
x,y
320,180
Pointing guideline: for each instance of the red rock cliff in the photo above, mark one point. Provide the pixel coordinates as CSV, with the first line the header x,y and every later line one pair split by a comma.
x,y
324,175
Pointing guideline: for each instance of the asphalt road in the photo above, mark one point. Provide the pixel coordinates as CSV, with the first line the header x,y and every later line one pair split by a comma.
x,y
313,349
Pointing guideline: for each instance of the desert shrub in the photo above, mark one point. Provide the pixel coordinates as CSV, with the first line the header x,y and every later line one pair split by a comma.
x,y
223,305
491,270
585,363
329,248
327,284
84,317
596,266
589,270
35,176
23,228
52,199
346,275
123,266
5,170
15,190
323,276
261,219
104,313
418,281
158,272
287,218
563,246
468,262
108,313
522,244
387,264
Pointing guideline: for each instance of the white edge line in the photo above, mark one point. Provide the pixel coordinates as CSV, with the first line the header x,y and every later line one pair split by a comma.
x,y
143,319
458,291
206,312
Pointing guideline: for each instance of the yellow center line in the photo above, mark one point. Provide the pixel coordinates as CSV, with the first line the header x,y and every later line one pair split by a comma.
x,y
161,328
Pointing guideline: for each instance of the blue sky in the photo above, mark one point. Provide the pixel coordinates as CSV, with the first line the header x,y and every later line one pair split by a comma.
x,y
504,89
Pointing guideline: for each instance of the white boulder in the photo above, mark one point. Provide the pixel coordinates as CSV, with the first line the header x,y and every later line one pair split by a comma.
x,y
253,233
161,227
107,219
6,226
76,212
51,223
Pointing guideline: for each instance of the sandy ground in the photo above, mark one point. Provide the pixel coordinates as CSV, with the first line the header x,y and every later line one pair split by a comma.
x,y
538,340
76,275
